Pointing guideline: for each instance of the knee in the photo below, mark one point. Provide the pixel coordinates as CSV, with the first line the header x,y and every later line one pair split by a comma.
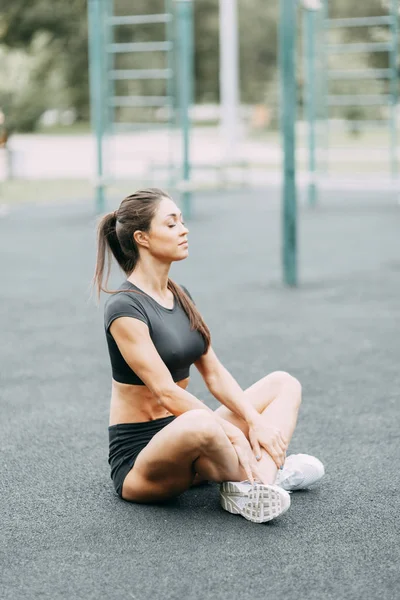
x,y
200,425
284,379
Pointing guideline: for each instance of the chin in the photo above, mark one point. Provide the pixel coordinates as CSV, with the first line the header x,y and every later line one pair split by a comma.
x,y
182,256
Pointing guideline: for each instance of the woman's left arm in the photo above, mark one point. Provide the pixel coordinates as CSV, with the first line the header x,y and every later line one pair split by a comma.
x,y
224,387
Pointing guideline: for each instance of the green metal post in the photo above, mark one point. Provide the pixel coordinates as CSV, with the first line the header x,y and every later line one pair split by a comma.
x,y
96,69
191,47
324,131
110,65
169,30
109,92
394,89
311,86
185,53
287,36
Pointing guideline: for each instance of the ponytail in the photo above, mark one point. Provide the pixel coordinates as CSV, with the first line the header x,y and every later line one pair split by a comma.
x,y
108,243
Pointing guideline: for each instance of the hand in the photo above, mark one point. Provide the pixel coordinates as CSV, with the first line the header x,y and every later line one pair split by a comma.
x,y
246,457
271,439
242,449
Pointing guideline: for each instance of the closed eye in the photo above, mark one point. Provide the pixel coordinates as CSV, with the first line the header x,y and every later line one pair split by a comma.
x,y
175,224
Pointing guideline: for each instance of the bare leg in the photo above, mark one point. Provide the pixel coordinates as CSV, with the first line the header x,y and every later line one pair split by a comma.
x,y
194,443
277,397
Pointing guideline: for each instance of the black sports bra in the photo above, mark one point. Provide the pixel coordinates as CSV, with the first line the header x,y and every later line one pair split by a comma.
x,y
178,346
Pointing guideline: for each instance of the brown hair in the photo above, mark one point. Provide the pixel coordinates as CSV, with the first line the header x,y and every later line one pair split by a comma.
x,y
115,238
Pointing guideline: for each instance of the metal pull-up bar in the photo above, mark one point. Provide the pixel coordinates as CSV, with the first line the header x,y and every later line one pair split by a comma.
x,y
106,103
287,43
317,78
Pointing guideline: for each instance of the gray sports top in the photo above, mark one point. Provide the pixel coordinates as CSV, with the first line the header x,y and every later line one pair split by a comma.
x,y
178,346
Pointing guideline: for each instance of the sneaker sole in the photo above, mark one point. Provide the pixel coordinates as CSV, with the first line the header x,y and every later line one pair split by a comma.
x,y
264,502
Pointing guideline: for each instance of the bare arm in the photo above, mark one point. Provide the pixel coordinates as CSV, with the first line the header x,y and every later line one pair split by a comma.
x,y
224,387
136,346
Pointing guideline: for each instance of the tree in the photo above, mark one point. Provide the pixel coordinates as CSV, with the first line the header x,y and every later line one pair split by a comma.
x,y
66,43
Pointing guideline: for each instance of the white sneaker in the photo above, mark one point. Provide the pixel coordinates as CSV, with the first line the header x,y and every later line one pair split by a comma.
x,y
299,472
258,502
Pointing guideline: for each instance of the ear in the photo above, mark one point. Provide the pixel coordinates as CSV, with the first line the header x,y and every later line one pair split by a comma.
x,y
141,238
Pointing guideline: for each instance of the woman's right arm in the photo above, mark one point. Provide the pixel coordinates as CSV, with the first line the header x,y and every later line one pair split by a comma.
x,y
136,346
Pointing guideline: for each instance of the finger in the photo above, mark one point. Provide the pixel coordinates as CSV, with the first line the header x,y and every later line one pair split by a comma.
x,y
257,451
282,445
274,453
278,438
249,473
245,464
255,446
281,453
277,456
283,442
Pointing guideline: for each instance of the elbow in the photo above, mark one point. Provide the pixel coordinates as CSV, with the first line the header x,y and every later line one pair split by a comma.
x,y
165,394
211,382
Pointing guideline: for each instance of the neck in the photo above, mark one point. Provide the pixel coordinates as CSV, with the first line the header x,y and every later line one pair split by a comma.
x,y
151,275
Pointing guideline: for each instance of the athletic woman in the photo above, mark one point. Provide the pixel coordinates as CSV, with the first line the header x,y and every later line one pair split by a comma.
x,y
163,440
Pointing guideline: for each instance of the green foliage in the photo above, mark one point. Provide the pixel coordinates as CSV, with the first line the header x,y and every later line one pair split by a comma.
x,y
206,27
258,35
31,82
63,56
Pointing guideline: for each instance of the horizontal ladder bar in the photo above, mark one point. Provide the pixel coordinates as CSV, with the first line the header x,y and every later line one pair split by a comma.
x,y
140,101
139,47
140,19
360,74
132,127
350,48
358,22
361,122
141,74
361,100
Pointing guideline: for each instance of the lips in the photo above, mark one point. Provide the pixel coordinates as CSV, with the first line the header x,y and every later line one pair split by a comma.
x,y
182,243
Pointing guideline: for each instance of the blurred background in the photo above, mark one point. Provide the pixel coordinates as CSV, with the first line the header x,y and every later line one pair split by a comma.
x,y
185,95
45,96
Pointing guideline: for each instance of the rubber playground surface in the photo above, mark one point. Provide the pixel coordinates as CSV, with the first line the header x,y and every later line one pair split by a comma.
x,y
64,532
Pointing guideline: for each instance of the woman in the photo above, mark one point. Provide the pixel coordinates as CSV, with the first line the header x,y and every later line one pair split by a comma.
x,y
163,440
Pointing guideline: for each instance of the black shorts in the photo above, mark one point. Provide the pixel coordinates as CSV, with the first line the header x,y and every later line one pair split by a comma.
x,y
126,441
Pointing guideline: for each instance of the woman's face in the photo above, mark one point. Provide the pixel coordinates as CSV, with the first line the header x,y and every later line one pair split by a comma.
x,y
167,238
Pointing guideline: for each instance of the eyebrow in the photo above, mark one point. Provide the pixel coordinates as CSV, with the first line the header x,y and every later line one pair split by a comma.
x,y
173,215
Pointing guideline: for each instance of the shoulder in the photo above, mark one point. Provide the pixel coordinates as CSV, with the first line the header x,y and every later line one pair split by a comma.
x,y
124,304
186,291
